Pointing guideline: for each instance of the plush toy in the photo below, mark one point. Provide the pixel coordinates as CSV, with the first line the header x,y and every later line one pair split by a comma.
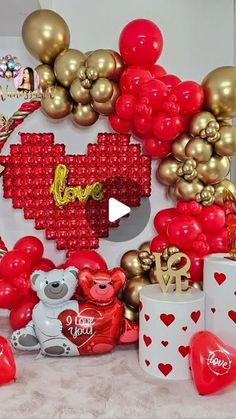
x,y
64,327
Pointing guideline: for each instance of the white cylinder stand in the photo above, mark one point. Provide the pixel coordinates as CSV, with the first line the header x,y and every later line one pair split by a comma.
x,y
167,323
220,289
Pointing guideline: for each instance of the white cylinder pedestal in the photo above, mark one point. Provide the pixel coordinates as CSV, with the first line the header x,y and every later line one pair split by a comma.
x,y
166,325
220,289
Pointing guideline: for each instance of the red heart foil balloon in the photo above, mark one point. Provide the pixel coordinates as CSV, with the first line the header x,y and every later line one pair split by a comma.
x,y
7,362
92,329
213,363
59,191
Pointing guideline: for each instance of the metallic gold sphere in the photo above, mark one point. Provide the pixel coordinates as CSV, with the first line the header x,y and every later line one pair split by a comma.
x,y
199,121
226,146
103,61
130,264
179,145
132,290
145,246
84,115
131,314
67,65
57,102
199,149
213,171
79,93
187,190
46,76
167,171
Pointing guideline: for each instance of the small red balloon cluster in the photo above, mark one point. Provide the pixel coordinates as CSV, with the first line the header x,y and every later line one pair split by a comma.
x,y
154,106
16,267
195,229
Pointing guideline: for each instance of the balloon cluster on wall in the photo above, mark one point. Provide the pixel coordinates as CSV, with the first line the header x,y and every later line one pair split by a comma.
x,y
153,105
9,66
73,82
16,267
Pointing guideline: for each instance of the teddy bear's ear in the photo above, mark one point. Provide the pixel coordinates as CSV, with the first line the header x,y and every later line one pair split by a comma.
x,y
85,276
34,276
118,276
72,270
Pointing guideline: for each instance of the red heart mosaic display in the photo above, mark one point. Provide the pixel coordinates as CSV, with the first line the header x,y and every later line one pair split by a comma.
x,y
113,162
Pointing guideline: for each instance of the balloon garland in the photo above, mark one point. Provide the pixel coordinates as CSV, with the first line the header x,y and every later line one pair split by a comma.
x,y
9,66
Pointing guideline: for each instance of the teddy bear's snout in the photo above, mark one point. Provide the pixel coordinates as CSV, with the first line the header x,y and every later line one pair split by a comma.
x,y
102,286
55,284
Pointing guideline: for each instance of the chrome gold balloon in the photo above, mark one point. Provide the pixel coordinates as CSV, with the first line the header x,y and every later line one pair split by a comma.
x,y
132,290
199,121
57,102
130,264
46,76
145,247
131,314
45,34
220,92
197,285
226,146
103,61
187,190
67,65
167,171
79,93
120,66
101,90
214,171
199,149
222,189
108,107
178,146
84,115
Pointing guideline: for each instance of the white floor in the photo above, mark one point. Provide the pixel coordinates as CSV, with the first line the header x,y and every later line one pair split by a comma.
x,y
110,386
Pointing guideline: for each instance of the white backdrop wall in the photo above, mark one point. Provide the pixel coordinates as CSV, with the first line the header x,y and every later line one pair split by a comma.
x,y
198,36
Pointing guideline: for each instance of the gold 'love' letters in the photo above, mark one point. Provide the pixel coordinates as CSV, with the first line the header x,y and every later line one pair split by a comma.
x,y
171,274
64,194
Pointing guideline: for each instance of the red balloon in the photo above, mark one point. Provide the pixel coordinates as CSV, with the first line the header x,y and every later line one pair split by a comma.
x,y
154,92
162,219
196,268
120,125
182,231
170,80
86,259
125,106
143,124
166,127
190,96
137,135
218,242
157,71
7,362
212,218
213,364
13,263
9,295
185,122
44,265
159,243
157,149
132,78
32,247
21,313
141,43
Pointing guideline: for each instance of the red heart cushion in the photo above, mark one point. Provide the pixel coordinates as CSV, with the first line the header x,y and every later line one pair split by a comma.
x,y
113,161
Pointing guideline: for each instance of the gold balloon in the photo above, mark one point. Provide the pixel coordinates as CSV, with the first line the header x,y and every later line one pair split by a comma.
x,y
130,314
226,146
130,264
145,247
199,121
46,76
132,290
178,146
45,34
187,190
213,171
222,188
120,66
220,92
199,149
67,65
197,285
84,115
101,90
79,93
103,61
167,171
152,276
108,107
57,102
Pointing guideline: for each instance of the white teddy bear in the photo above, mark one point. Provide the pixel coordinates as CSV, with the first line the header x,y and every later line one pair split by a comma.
x,y
44,331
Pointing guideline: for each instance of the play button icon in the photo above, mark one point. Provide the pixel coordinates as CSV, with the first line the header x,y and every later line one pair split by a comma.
x,y
116,209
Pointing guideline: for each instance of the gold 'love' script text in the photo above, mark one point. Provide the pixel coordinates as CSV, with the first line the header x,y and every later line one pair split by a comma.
x,y
64,194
